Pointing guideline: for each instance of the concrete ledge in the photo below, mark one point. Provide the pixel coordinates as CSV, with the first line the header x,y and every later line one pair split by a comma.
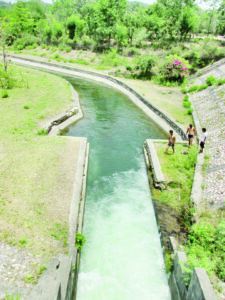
x,y
154,164
68,119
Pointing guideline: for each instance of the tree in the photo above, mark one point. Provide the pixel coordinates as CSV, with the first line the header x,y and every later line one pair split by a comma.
x,y
108,13
188,22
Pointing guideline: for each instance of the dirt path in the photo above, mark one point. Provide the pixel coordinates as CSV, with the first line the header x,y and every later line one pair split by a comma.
x,y
210,108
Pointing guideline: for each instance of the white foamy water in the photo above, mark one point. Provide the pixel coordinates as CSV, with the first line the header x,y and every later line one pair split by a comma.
x,y
122,258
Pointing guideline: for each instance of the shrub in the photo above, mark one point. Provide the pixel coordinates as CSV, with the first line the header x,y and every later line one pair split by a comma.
x,y
42,132
183,90
43,46
186,98
131,51
210,80
221,81
193,88
27,40
80,240
88,43
202,87
190,111
61,47
144,65
175,69
187,104
68,49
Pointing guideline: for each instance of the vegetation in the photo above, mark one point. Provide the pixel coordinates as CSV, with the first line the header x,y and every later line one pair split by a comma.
x,y
145,41
178,170
80,240
33,167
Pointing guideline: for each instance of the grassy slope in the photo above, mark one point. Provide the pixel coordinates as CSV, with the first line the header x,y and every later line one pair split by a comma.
x,y
176,168
35,170
168,99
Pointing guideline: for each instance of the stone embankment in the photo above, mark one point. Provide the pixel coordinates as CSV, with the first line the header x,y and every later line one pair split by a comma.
x,y
209,106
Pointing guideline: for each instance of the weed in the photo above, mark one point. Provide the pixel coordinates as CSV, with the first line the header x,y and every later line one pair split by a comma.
x,y
220,81
12,297
187,104
41,270
193,88
186,98
29,278
168,262
190,111
22,242
68,49
26,107
183,90
210,80
42,132
80,240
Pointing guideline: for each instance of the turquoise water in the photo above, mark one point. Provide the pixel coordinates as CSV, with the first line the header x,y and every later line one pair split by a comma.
x,y
122,257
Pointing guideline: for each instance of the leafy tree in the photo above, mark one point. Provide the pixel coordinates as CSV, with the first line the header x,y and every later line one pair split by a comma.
x,y
188,22
75,26
121,35
108,13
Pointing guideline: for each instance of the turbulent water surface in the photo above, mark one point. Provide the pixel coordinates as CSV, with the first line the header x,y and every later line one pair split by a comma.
x,y
122,257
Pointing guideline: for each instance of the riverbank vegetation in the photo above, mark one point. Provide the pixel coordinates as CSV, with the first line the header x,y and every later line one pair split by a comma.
x,y
35,171
161,41
203,241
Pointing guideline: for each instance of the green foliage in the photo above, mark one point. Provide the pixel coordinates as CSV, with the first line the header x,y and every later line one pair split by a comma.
x,y
206,248
80,240
12,297
190,111
175,69
221,81
42,132
193,88
210,80
29,278
131,51
144,65
187,104
168,262
186,98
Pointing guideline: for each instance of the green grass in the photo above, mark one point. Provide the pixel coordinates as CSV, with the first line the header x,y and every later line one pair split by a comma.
x,y
33,167
170,100
178,170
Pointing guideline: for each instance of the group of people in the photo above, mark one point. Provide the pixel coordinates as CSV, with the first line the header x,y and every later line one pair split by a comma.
x,y
191,133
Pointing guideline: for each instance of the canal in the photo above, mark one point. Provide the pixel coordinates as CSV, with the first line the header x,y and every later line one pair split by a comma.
x,y
122,257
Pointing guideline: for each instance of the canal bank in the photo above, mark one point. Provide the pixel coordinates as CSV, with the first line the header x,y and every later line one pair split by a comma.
x,y
139,165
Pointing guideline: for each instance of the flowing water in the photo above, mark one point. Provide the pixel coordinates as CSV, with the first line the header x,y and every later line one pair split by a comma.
x,y
122,257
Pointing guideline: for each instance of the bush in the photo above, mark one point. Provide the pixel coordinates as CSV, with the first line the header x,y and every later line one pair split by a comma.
x,y
220,81
144,65
193,88
175,69
187,104
190,111
80,240
202,87
186,98
183,90
206,248
131,51
210,80
88,43
68,49
27,40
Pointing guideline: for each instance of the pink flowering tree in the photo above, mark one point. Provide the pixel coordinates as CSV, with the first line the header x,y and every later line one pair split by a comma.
x,y
175,69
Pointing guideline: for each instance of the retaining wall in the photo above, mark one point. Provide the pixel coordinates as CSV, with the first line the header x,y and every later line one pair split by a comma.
x,y
200,287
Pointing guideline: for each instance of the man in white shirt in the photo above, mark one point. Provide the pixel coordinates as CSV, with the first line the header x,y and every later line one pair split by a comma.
x,y
204,137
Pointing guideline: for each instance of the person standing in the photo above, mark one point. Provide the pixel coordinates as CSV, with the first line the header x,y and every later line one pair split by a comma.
x,y
171,141
191,134
204,137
